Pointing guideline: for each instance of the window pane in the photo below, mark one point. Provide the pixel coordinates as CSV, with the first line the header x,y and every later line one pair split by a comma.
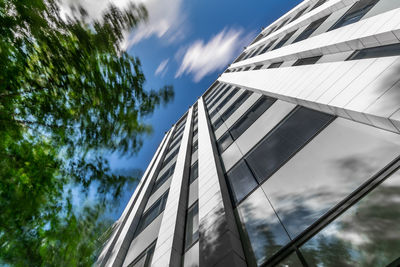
x,y
284,40
355,13
258,67
319,3
241,181
262,234
160,181
224,142
367,234
268,47
336,162
288,137
251,116
310,29
192,226
375,52
194,172
298,14
217,123
235,105
275,65
307,61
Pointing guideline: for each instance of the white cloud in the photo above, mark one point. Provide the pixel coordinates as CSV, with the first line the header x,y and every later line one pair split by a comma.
x,y
162,68
202,58
166,18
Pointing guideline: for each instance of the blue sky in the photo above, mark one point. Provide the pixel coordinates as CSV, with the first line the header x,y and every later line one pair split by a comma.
x,y
188,44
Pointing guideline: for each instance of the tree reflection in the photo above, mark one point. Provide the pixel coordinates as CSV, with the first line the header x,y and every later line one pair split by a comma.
x,y
368,234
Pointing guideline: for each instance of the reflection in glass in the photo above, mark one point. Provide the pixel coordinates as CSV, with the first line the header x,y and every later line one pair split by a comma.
x,y
288,137
262,234
367,234
224,142
334,164
192,225
241,181
291,261
144,259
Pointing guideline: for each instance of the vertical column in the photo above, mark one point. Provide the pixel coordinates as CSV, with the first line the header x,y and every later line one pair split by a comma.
x,y
219,238
169,245
130,218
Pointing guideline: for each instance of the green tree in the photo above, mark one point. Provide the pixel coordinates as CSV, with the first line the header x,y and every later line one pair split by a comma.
x,y
68,94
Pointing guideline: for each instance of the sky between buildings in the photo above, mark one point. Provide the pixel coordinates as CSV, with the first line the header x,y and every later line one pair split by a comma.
x,y
187,44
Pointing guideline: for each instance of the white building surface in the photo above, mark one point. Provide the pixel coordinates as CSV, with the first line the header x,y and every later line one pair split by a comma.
x,y
289,159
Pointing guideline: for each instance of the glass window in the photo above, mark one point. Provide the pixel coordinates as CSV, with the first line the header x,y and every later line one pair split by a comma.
x,y
284,40
195,146
170,157
235,105
258,67
262,234
192,225
160,181
374,52
217,98
282,24
223,102
298,15
258,38
217,123
224,142
271,31
367,234
251,116
341,158
275,65
144,259
268,46
152,213
355,13
194,172
310,29
246,69
307,61
319,3
241,181
285,140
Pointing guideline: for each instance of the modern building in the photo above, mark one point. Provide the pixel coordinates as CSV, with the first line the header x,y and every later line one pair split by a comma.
x,y
290,158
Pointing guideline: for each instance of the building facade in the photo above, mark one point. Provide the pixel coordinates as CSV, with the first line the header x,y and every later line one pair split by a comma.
x,y
290,158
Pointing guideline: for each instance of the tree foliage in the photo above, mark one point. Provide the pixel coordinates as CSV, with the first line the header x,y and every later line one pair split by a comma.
x,y
68,93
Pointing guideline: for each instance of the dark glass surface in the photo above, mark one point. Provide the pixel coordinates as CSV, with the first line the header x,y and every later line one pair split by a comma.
x,y
284,40
156,209
226,100
258,67
334,164
268,46
224,142
194,172
195,146
261,233
235,105
285,140
275,65
367,234
291,261
217,123
298,15
246,69
282,24
145,258
160,181
375,52
170,157
271,31
307,61
218,97
319,3
310,29
355,13
241,181
192,225
251,116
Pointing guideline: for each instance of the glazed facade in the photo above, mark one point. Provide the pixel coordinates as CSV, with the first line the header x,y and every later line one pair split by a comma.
x,y
290,158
